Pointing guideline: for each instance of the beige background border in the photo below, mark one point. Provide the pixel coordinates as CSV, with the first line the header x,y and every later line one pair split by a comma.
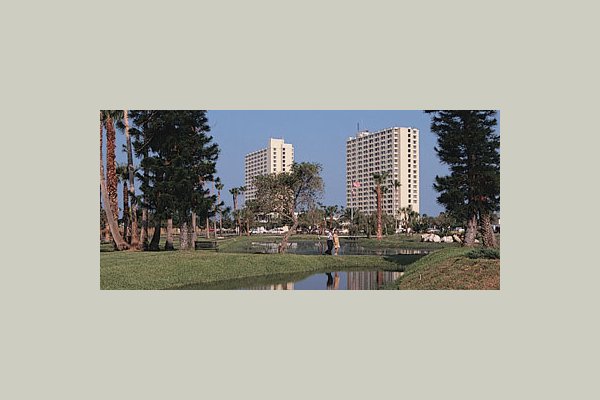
x,y
64,338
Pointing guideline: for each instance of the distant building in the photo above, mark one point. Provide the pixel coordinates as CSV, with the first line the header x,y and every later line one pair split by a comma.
x,y
277,157
393,150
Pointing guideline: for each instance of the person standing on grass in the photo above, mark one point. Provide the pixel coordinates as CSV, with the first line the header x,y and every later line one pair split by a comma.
x,y
329,242
336,242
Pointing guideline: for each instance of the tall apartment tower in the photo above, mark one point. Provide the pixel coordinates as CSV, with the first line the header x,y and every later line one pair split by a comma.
x,y
277,157
393,150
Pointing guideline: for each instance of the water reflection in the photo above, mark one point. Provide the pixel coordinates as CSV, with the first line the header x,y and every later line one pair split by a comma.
x,y
339,280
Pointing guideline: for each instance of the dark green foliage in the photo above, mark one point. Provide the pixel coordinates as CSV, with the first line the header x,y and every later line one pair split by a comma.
x,y
469,145
178,157
493,254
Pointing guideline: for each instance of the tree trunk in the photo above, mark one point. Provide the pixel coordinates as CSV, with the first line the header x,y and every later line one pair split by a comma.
x,y
220,214
144,234
107,237
379,235
247,226
207,228
120,244
126,228
487,232
135,240
111,168
184,237
239,222
471,231
155,242
194,235
143,244
169,242
283,245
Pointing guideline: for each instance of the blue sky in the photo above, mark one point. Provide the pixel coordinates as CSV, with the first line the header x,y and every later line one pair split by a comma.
x,y
317,136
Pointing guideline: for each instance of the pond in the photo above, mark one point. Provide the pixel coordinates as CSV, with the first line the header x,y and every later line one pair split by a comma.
x,y
316,247
352,279
337,280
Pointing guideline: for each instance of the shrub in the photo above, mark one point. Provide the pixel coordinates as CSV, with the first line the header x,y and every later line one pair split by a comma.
x,y
493,254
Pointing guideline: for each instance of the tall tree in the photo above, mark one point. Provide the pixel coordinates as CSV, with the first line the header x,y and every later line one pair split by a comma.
x,y
181,158
219,186
135,239
396,185
470,146
235,192
288,193
123,176
379,179
120,244
109,118
330,212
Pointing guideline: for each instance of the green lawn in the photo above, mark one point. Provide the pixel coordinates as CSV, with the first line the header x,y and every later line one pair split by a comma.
x,y
187,269
241,244
450,269
445,268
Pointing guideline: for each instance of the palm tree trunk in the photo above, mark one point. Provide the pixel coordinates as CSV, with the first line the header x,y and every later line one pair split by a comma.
x,y
379,235
239,223
207,228
111,167
169,242
184,237
220,214
144,233
471,231
135,240
194,235
120,244
487,233
126,228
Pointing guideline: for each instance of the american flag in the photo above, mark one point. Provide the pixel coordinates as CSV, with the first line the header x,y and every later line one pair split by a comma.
x,y
354,186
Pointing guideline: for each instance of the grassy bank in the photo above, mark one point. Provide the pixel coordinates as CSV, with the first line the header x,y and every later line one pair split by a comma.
x,y
190,269
450,269
243,244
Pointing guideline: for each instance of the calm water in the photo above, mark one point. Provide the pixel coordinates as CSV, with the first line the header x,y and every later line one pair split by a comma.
x,y
351,249
339,280
367,279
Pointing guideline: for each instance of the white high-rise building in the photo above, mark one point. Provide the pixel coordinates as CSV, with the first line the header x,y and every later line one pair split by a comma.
x,y
393,150
277,157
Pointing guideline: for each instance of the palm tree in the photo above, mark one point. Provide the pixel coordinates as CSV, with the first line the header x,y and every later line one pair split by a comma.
x,y
407,215
120,244
109,117
235,192
219,187
379,179
396,186
123,176
135,240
